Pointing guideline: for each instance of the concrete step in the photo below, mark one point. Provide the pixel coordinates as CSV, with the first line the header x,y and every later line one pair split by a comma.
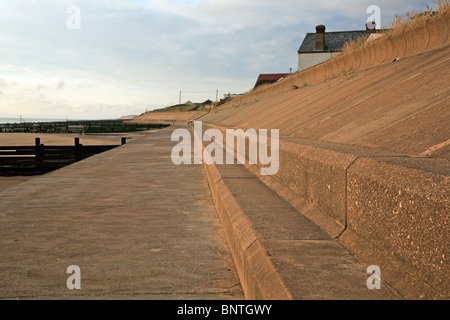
x,y
278,252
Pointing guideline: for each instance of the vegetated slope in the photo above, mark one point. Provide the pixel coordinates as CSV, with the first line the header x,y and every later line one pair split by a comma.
x,y
162,117
183,113
402,106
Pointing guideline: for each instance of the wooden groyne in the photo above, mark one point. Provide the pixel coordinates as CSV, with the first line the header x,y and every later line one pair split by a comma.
x,y
40,159
79,127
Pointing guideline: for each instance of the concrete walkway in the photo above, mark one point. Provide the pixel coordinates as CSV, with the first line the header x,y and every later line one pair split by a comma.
x,y
138,227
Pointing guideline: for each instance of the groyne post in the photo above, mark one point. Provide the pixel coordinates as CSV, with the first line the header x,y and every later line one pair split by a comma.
x,y
39,151
78,150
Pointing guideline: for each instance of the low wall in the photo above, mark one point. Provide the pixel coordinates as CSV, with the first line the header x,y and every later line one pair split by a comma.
x,y
428,36
394,204
403,212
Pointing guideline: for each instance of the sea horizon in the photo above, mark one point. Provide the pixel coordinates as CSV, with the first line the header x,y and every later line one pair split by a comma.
x,y
19,119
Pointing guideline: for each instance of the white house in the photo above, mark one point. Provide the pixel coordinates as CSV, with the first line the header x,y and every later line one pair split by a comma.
x,y
321,46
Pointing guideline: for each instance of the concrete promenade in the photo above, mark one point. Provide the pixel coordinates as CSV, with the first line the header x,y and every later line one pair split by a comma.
x,y
138,227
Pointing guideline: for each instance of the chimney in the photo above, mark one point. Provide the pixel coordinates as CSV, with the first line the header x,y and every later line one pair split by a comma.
x,y
371,27
320,38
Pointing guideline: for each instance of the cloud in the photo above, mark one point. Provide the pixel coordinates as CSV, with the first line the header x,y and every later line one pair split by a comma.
x,y
53,85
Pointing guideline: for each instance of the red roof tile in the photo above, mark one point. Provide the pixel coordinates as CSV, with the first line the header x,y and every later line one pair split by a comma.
x,y
269,78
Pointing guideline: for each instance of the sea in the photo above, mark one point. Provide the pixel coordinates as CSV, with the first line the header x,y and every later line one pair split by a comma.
x,y
18,120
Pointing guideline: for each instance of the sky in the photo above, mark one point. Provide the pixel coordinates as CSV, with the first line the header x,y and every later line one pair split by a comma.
x,y
99,59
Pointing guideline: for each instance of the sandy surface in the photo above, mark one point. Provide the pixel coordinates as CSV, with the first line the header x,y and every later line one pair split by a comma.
x,y
25,139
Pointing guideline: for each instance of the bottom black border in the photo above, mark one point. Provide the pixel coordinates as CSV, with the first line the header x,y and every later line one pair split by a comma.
x,y
177,309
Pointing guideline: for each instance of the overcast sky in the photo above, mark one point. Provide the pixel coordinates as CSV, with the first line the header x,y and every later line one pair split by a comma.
x,y
128,56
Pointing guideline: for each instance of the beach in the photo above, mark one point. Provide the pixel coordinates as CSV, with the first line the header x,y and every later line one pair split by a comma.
x,y
49,139
28,139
